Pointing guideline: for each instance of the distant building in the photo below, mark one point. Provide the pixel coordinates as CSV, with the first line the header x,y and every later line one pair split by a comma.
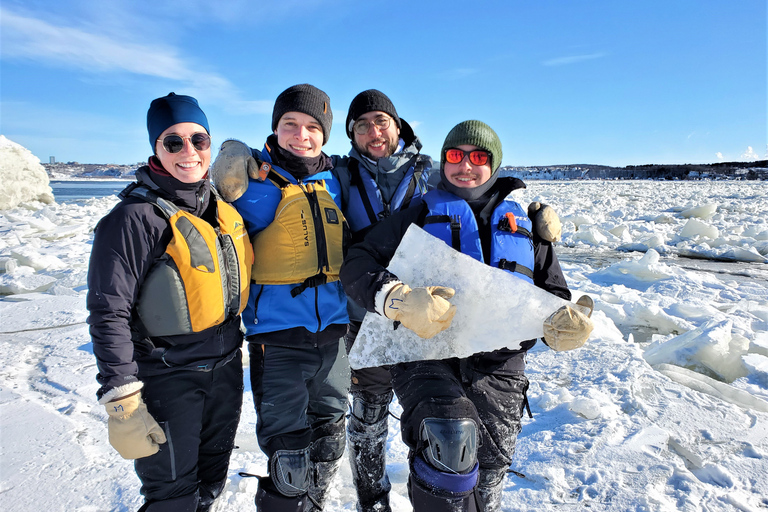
x,y
52,160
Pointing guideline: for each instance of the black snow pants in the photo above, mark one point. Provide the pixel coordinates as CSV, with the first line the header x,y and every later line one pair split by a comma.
x,y
483,387
199,412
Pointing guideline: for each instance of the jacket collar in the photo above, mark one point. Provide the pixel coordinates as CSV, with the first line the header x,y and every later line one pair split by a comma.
x,y
191,197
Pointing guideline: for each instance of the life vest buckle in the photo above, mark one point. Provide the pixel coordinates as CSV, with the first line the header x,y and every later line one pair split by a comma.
x,y
508,223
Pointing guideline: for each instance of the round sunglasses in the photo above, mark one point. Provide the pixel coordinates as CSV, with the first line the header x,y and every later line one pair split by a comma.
x,y
175,143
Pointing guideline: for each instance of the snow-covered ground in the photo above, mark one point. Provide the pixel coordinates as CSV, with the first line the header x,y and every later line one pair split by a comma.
x,y
665,408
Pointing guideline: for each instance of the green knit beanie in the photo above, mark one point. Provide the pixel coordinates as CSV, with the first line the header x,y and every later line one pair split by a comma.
x,y
474,133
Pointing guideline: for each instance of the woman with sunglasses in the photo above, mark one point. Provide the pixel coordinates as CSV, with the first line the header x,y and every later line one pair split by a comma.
x,y
461,417
167,281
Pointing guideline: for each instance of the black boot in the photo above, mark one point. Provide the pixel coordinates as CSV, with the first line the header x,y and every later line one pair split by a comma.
x,y
208,494
426,499
367,430
269,499
488,491
325,457
323,474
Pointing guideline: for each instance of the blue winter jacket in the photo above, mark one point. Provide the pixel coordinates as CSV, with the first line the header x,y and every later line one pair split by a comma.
x,y
271,308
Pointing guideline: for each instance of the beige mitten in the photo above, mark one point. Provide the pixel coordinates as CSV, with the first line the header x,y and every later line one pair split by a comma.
x,y
230,170
567,328
133,432
425,310
545,221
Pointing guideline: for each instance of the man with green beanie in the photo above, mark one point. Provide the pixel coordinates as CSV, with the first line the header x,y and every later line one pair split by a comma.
x,y
461,417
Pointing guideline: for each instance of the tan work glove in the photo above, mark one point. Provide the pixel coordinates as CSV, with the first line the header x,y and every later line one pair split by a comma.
x,y
133,432
568,328
230,170
545,221
423,310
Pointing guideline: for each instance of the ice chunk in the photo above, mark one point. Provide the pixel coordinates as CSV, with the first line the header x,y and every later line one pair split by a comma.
x,y
695,228
22,176
711,346
637,274
704,384
494,308
705,211
24,280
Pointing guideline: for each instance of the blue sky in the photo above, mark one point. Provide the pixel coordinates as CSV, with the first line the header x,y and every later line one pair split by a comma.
x,y
602,82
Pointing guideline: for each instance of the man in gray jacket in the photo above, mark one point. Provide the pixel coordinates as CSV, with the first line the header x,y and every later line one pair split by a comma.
x,y
384,173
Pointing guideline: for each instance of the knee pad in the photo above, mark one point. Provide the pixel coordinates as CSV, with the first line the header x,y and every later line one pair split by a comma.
x,y
289,470
328,448
451,444
443,484
371,411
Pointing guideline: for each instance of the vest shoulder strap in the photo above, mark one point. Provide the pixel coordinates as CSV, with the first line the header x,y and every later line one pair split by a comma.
x,y
418,170
357,181
168,208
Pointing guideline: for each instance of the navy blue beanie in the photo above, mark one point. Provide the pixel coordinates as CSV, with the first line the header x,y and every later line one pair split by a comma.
x,y
170,110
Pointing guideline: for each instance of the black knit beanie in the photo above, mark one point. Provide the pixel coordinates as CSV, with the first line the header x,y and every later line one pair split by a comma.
x,y
473,133
370,101
306,99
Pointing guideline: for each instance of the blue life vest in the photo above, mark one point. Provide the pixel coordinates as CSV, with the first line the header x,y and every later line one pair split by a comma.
x,y
451,220
366,206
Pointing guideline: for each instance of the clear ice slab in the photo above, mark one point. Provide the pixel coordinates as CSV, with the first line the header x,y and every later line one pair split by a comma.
x,y
494,309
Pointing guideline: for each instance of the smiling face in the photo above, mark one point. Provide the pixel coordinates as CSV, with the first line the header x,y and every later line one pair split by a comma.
x,y
301,134
465,174
377,143
188,165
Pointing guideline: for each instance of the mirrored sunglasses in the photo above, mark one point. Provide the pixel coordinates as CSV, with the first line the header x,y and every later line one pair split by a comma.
x,y
476,156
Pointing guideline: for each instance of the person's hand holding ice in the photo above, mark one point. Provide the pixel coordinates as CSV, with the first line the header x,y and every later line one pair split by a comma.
x,y
424,310
568,328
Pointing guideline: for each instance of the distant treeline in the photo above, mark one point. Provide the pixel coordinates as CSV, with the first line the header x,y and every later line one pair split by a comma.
x,y
725,170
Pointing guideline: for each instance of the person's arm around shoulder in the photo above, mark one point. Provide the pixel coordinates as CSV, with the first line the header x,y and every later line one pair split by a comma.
x,y
233,166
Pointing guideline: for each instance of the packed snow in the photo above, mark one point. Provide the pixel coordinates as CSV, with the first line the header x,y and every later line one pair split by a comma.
x,y
664,409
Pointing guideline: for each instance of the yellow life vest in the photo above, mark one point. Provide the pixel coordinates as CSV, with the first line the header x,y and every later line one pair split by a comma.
x,y
304,243
202,278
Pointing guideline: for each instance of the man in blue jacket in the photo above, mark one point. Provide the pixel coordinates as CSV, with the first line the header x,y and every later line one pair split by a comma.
x,y
383,173
296,315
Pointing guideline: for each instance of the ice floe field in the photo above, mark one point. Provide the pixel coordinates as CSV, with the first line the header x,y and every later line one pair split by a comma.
x,y
665,408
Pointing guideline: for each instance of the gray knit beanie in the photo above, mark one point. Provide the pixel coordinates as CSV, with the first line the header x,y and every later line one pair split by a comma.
x,y
306,99
474,133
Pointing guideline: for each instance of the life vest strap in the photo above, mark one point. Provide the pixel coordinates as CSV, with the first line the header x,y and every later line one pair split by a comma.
x,y
513,266
454,221
310,282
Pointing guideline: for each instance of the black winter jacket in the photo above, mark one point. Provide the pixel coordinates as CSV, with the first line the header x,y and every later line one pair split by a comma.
x,y
127,242
364,270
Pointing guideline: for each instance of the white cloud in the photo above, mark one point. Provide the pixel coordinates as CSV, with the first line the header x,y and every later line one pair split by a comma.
x,y
749,154
573,59
27,38
720,156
